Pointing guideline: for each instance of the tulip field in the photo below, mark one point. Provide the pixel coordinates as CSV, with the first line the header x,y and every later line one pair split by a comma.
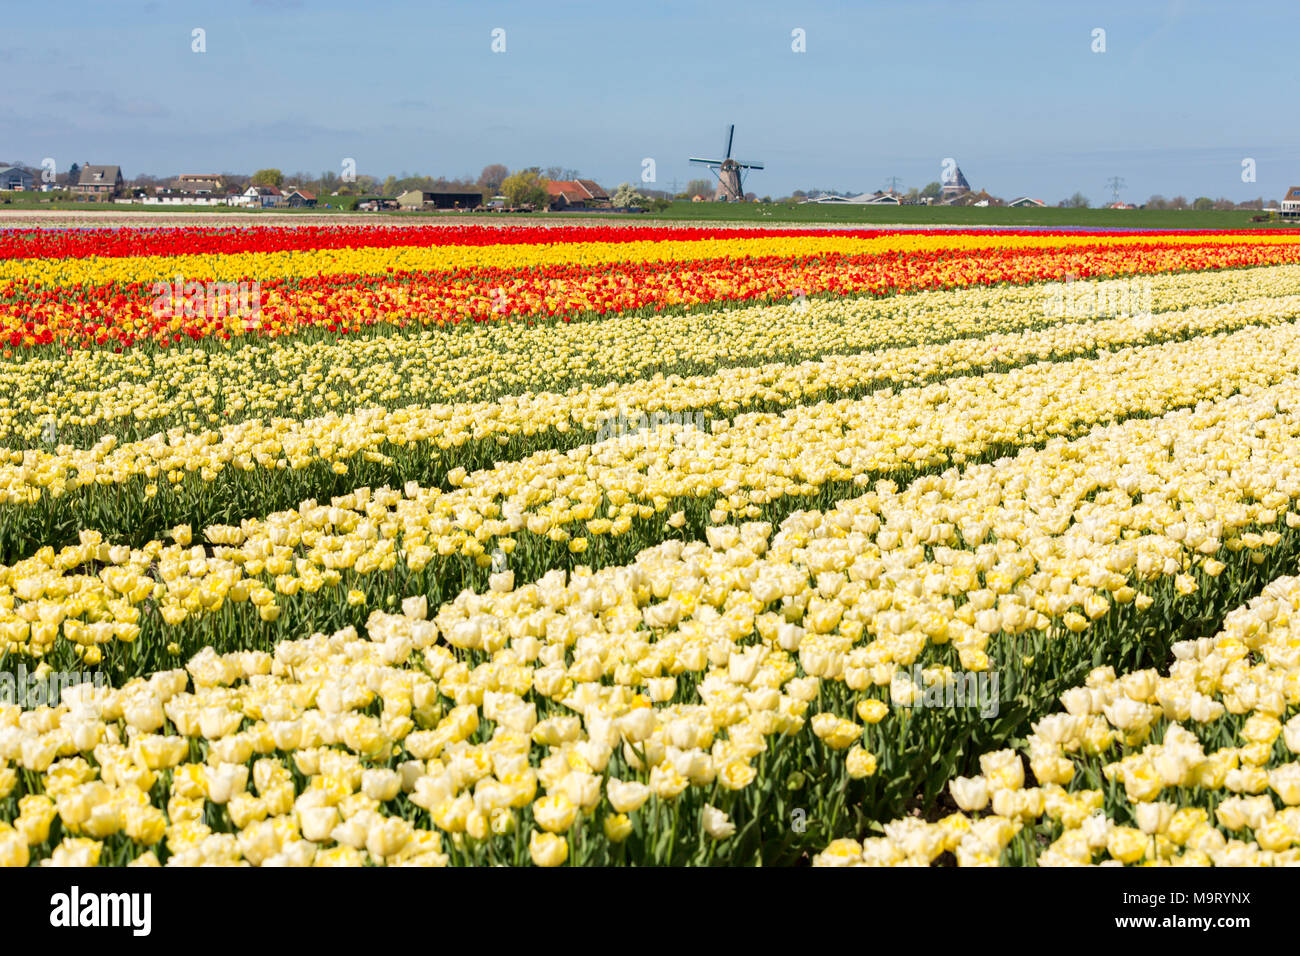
x,y
632,545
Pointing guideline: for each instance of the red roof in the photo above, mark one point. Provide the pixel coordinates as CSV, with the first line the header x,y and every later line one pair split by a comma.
x,y
575,190
567,190
593,190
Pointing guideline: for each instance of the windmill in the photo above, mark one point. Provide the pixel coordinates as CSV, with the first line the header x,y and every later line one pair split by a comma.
x,y
729,172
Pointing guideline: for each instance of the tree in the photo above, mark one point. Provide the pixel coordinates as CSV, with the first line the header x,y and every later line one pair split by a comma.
x,y
625,197
328,182
74,174
268,177
699,187
492,176
560,174
1157,202
1077,201
931,191
525,188
1178,202
1202,203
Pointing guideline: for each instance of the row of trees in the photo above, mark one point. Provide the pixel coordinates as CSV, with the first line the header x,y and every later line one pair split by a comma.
x,y
1200,203
1205,202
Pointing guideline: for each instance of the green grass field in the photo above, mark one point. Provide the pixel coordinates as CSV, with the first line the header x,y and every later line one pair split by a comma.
x,y
964,216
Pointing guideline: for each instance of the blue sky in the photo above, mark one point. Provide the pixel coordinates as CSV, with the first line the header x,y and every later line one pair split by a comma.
x,y
1012,90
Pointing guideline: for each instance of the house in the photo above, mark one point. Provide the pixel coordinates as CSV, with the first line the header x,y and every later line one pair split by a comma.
x,y
13,178
1119,205
263,197
199,184
298,198
98,183
1291,204
575,194
1024,201
426,199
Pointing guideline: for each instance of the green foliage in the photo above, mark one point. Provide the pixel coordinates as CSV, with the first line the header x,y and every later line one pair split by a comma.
x,y
525,188
268,177
700,187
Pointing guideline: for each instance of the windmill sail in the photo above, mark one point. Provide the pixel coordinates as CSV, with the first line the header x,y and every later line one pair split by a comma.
x,y
729,172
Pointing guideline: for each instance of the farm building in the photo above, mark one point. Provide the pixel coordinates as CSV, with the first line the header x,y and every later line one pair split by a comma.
x,y
11,177
576,194
970,198
424,199
174,197
878,198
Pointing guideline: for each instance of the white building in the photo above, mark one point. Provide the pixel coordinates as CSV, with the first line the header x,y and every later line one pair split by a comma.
x,y
877,198
1291,204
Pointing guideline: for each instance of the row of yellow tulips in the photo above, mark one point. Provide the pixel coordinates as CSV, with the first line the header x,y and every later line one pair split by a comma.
x,y
1204,756
91,592
634,709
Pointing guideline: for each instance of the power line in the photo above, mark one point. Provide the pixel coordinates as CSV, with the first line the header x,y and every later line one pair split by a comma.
x,y
1115,184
